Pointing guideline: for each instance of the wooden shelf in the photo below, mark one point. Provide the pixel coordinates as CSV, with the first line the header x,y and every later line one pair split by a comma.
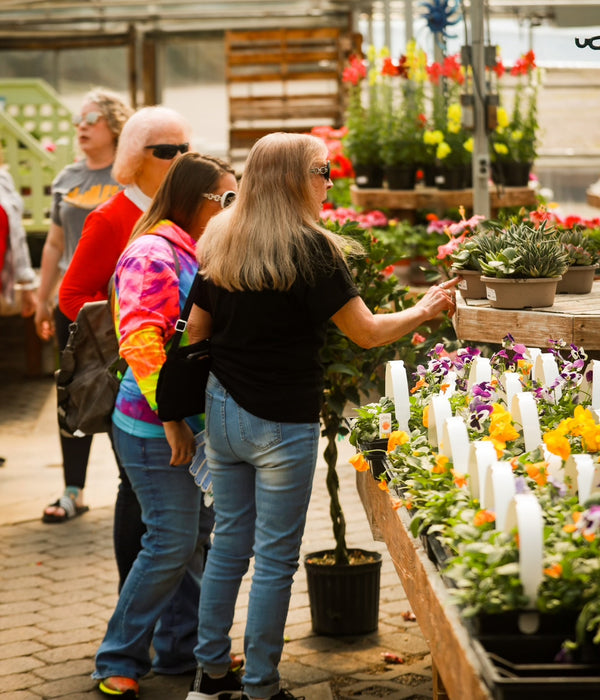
x,y
574,317
449,641
404,203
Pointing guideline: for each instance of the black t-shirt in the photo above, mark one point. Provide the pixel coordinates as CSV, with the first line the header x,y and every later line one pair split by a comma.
x,y
265,345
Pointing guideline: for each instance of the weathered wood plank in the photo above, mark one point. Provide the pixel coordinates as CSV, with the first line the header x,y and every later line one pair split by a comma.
x,y
432,198
438,619
574,317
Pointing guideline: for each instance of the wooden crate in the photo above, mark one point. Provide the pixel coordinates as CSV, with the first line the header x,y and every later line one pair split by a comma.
x,y
573,317
283,80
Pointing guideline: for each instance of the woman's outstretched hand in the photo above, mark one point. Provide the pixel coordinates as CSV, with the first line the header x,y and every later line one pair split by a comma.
x,y
440,297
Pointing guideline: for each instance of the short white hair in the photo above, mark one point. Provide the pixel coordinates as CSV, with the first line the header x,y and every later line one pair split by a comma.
x,y
144,127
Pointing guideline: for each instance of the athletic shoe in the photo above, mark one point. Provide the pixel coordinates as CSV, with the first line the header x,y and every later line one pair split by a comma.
x,y
119,686
229,687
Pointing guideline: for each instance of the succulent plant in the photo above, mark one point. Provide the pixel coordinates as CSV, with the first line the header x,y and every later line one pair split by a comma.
x,y
470,252
581,249
523,251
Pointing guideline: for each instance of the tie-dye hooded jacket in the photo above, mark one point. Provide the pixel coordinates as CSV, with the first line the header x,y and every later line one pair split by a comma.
x,y
149,299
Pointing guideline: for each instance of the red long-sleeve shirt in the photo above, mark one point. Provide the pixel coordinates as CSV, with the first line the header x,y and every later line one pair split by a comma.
x,y
104,237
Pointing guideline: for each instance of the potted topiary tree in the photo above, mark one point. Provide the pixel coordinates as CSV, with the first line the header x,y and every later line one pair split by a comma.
x,y
343,584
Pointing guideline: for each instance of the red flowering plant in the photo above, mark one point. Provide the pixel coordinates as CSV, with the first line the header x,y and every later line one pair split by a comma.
x,y
363,118
404,119
515,137
341,166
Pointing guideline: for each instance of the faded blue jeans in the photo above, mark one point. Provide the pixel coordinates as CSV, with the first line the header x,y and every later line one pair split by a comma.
x,y
262,474
178,528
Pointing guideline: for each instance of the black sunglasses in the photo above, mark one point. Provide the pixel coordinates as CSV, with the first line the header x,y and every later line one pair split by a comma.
x,y
168,151
225,199
324,170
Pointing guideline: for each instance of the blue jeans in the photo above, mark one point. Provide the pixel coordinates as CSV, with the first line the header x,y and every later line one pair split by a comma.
x,y
262,475
178,528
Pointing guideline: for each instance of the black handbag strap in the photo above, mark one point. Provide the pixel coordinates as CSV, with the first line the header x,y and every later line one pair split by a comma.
x,y
181,324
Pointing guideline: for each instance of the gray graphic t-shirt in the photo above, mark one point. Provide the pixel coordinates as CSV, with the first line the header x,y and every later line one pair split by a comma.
x,y
76,191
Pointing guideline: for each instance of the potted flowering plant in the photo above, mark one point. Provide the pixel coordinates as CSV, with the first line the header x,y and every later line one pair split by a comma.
x,y
514,141
454,153
363,120
481,563
401,136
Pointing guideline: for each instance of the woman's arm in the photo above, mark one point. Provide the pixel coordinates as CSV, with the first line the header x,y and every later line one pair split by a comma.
x,y
199,324
369,330
49,275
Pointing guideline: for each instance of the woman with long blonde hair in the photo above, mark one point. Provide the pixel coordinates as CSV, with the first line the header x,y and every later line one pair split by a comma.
x,y
272,279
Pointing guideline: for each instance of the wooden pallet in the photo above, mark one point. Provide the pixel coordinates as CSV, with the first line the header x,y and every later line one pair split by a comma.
x,y
283,80
405,203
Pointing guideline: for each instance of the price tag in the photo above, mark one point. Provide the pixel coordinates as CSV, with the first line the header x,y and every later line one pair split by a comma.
x,y
455,443
524,413
439,410
396,387
482,455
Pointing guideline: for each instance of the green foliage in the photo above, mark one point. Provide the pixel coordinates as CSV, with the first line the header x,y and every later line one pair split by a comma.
x,y
361,143
365,427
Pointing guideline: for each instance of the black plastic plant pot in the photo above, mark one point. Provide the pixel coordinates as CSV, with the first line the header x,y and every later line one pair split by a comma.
x,y
521,667
375,453
344,600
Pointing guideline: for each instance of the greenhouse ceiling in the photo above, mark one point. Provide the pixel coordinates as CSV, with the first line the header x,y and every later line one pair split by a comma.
x,y
45,17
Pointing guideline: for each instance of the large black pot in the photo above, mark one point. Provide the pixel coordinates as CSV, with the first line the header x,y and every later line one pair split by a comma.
x,y
344,600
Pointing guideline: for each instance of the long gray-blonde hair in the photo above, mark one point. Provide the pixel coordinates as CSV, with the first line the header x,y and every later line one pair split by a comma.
x,y
268,236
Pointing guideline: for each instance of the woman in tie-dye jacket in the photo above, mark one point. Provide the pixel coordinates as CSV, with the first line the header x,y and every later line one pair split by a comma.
x,y
151,288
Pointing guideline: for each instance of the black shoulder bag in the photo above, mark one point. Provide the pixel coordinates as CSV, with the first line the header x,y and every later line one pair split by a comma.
x,y
180,391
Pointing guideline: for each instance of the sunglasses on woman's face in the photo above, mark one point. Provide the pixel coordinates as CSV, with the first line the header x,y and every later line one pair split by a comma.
x,y
168,151
225,199
325,171
90,118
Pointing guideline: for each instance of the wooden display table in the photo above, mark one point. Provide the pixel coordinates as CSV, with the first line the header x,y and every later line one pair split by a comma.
x,y
405,203
449,642
574,317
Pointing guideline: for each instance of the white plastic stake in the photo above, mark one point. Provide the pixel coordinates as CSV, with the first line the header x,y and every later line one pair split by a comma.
x,y
481,371
545,371
584,475
591,389
455,443
482,454
499,490
512,385
525,514
396,387
524,413
439,410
